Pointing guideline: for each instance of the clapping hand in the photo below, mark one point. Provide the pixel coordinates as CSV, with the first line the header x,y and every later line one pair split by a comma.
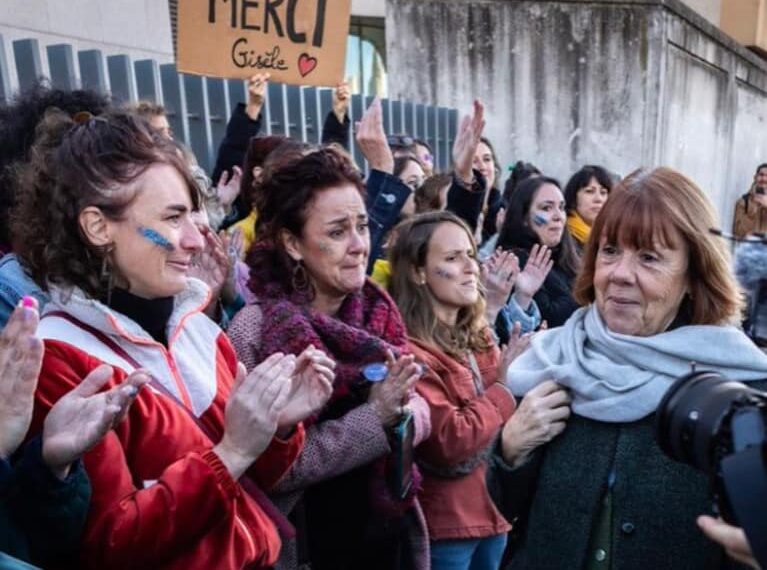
x,y
311,387
498,274
21,356
467,141
389,396
518,343
530,280
253,410
372,139
212,265
79,420
228,187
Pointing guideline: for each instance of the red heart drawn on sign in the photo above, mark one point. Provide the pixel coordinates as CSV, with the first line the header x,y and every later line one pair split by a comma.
x,y
306,64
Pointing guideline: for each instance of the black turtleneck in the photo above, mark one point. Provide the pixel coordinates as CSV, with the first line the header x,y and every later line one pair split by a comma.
x,y
151,314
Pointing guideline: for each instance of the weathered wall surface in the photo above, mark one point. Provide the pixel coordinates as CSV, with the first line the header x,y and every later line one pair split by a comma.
x,y
623,84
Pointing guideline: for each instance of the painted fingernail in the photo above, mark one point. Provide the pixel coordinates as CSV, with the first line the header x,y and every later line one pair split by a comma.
x,y
29,302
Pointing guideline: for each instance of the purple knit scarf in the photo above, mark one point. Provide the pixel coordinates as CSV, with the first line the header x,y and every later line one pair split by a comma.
x,y
366,326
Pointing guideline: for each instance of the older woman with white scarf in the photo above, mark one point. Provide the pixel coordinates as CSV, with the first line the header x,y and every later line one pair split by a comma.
x,y
658,295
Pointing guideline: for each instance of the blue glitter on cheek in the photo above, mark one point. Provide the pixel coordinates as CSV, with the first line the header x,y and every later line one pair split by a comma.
x,y
444,274
540,220
156,238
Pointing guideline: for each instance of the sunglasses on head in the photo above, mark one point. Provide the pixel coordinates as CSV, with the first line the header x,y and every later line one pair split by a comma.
x,y
400,141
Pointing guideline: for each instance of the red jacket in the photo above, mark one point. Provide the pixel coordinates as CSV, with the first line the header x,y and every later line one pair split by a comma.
x,y
463,424
161,497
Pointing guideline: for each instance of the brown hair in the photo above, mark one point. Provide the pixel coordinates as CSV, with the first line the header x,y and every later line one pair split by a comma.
x,y
428,197
650,206
73,166
259,148
416,302
289,186
148,109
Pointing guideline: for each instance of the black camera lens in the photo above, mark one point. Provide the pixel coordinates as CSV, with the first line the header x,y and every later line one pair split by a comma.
x,y
692,417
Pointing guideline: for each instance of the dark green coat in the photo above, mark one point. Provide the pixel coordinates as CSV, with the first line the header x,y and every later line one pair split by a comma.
x,y
655,503
41,517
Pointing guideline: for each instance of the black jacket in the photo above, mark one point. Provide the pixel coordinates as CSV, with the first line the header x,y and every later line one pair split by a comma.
x,y
655,502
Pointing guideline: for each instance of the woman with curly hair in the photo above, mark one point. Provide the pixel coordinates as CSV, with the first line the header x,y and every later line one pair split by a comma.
x,y
105,225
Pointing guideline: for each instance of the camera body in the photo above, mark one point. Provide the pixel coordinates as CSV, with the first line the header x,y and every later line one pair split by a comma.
x,y
705,418
719,426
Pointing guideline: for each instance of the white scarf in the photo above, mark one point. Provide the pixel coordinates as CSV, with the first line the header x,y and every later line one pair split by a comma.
x,y
622,378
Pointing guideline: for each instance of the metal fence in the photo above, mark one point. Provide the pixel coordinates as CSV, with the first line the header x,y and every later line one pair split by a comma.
x,y
199,107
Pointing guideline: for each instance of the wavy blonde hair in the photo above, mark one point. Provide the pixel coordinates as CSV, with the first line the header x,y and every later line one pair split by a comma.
x,y
416,302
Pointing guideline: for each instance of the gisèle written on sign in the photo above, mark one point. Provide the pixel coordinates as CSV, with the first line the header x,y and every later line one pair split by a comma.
x,y
301,42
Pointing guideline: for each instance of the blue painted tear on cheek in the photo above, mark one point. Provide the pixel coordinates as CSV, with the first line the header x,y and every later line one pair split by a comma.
x,y
540,220
156,238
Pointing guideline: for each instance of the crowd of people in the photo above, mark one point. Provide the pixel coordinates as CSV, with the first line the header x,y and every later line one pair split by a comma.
x,y
287,365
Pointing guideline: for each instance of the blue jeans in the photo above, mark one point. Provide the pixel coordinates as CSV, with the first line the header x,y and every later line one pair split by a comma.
x,y
470,554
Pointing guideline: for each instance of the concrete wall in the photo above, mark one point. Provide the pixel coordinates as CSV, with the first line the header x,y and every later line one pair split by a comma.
x,y
139,28
623,84
371,8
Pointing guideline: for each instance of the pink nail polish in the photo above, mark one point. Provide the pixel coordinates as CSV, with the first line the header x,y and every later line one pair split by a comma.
x,y
29,302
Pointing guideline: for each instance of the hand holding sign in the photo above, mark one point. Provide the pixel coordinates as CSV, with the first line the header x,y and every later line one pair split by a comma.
x,y
341,99
256,94
302,43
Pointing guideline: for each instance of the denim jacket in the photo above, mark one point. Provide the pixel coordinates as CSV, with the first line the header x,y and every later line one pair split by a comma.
x,y
386,195
14,284
511,313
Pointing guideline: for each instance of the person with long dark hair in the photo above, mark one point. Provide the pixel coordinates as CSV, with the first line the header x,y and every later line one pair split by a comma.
x,y
535,230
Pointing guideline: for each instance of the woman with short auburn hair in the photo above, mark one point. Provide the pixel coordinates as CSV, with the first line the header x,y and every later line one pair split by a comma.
x,y
660,299
654,205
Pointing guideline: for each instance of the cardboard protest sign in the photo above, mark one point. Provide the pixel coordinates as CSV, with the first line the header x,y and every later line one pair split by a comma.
x,y
302,42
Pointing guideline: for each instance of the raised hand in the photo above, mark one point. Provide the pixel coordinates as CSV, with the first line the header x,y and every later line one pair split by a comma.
x,y
498,274
253,410
257,85
372,139
341,100
229,187
21,355
533,275
311,386
518,343
539,418
389,396
467,140
78,421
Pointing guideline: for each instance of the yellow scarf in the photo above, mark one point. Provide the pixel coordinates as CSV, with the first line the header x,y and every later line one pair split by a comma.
x,y
579,229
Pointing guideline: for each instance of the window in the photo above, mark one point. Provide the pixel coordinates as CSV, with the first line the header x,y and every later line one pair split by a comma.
x,y
366,56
